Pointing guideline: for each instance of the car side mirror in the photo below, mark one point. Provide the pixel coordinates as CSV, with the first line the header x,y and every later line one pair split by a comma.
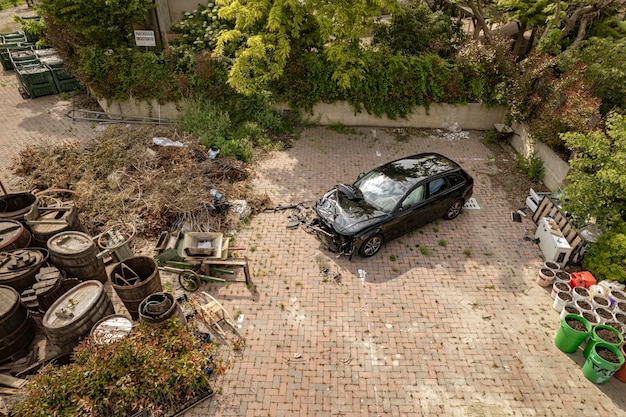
x,y
361,175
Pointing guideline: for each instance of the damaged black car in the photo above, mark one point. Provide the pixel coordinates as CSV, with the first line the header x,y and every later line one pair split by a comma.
x,y
390,201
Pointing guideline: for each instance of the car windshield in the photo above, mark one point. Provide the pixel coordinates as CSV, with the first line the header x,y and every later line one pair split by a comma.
x,y
380,191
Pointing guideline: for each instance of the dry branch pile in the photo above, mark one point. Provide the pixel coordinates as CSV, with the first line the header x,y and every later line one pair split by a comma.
x,y
123,176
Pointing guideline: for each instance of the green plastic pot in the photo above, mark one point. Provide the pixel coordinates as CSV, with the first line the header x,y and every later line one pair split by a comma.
x,y
598,370
568,339
595,339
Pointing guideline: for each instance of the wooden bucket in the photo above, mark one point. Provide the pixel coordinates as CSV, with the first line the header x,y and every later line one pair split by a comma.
x,y
15,205
111,328
45,223
13,235
133,280
162,301
74,314
17,329
20,266
76,254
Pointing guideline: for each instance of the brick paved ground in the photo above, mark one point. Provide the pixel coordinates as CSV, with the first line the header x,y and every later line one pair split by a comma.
x,y
461,331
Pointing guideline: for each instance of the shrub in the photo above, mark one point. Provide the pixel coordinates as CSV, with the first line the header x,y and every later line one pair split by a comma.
x,y
150,368
418,30
606,259
531,166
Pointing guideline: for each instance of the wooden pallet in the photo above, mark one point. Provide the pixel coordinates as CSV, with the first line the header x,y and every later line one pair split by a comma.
x,y
547,208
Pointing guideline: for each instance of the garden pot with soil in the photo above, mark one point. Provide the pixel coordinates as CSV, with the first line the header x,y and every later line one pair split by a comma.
x,y
604,314
603,361
620,374
559,286
546,277
605,334
616,296
591,317
581,293
600,301
569,308
584,305
561,299
573,331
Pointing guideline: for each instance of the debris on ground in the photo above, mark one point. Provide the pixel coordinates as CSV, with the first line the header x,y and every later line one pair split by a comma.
x,y
123,175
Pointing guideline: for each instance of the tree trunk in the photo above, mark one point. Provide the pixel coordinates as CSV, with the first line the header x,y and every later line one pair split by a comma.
x,y
479,19
521,28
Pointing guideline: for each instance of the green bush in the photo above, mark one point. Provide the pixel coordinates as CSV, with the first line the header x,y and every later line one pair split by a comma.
x,y
418,30
606,259
531,166
150,368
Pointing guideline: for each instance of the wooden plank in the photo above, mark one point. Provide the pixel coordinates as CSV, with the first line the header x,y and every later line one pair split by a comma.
x,y
11,381
538,214
575,242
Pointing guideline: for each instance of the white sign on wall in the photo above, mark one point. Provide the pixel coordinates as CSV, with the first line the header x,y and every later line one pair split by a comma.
x,y
145,38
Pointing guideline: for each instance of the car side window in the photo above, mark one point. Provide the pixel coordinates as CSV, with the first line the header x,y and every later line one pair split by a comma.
x,y
455,180
414,197
436,186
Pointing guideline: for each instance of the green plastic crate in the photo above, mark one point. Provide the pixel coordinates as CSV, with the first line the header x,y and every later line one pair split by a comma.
x,y
21,58
35,74
7,49
39,90
60,73
13,37
65,86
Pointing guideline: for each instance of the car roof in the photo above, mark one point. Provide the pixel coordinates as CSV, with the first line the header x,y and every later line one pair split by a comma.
x,y
418,167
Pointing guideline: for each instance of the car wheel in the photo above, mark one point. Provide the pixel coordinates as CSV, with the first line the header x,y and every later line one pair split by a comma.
x,y
454,210
371,246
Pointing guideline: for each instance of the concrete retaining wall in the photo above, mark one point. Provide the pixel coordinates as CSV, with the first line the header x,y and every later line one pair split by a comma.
x,y
471,116
142,108
555,169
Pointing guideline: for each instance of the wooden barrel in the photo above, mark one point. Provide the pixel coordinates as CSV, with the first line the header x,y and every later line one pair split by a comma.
x,y
19,267
133,280
76,254
45,223
15,205
17,329
13,235
111,328
74,314
156,309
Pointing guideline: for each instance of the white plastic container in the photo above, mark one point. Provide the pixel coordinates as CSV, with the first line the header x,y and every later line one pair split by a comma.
x,y
561,299
616,296
559,286
569,308
581,293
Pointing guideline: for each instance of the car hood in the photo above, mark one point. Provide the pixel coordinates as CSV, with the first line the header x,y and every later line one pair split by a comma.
x,y
347,216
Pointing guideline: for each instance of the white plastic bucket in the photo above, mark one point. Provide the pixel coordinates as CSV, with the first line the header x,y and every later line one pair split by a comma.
x,y
615,296
569,308
604,314
560,286
591,317
599,301
584,305
561,299
580,293
545,277
552,265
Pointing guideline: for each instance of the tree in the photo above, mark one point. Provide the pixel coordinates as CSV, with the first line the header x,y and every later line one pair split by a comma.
x,y
267,32
106,24
418,30
604,61
597,180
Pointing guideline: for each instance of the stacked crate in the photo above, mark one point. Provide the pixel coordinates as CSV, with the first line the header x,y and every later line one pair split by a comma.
x,y
40,71
36,79
63,80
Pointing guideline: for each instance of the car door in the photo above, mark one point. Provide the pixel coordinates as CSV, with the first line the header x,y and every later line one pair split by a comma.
x,y
438,199
411,213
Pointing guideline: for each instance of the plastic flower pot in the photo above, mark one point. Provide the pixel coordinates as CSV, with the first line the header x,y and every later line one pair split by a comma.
x,y
569,339
599,370
595,338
